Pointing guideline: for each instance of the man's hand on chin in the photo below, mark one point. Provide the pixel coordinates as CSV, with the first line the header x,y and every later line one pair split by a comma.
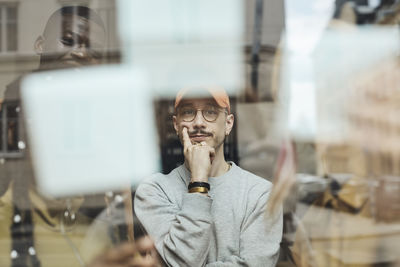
x,y
198,157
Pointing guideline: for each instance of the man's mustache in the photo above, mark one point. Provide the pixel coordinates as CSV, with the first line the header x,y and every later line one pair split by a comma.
x,y
199,132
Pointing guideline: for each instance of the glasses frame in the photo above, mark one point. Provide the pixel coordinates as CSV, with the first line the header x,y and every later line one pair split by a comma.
x,y
202,114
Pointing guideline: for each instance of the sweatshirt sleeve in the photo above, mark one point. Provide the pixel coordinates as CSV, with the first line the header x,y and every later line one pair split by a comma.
x,y
181,234
260,236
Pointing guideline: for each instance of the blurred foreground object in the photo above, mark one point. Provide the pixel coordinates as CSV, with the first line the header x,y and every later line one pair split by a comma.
x,y
284,177
356,222
341,92
297,119
37,229
374,129
83,127
338,230
315,70
181,43
129,254
138,250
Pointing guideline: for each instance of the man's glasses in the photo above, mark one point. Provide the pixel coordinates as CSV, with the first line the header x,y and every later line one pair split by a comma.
x,y
188,114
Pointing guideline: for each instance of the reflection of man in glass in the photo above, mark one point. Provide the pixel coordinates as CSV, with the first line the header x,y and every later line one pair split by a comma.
x,y
73,37
38,230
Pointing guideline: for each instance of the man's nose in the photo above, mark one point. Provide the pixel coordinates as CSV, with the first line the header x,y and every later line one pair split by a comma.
x,y
83,54
199,120
80,52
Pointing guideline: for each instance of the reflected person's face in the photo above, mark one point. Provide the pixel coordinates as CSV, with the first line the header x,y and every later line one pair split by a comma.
x,y
72,41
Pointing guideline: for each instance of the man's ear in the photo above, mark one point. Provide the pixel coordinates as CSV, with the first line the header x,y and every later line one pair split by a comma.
x,y
175,124
230,119
38,46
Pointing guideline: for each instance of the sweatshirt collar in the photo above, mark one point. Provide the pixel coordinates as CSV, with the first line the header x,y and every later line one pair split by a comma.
x,y
185,173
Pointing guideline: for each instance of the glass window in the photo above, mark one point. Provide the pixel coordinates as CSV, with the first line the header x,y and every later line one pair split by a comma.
x,y
313,97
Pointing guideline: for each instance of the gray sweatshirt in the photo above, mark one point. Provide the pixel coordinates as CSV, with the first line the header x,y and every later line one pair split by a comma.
x,y
229,228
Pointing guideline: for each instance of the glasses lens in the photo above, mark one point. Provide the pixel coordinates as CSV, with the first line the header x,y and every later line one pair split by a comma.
x,y
210,113
187,114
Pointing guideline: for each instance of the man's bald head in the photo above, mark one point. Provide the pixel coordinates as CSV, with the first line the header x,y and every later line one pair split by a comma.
x,y
73,36
69,11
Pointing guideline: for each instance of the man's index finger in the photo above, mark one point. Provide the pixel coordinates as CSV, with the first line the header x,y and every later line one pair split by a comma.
x,y
186,139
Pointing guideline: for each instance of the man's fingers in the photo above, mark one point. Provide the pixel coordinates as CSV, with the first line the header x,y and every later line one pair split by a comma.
x,y
144,244
212,153
120,256
121,252
186,139
145,262
127,255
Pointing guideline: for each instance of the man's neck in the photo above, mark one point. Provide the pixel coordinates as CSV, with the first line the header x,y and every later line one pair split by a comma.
x,y
219,166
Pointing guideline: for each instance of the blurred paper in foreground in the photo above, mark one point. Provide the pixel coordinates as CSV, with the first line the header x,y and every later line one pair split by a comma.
x,y
90,130
315,92
184,43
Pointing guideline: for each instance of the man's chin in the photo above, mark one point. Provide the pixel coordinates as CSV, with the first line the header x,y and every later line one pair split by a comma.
x,y
199,139
64,64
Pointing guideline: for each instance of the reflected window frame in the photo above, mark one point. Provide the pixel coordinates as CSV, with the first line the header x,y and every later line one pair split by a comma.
x,y
8,27
7,133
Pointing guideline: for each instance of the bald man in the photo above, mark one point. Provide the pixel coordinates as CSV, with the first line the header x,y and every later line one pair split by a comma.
x,y
74,36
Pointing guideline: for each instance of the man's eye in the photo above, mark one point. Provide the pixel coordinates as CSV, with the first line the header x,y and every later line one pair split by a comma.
x,y
187,112
211,111
68,41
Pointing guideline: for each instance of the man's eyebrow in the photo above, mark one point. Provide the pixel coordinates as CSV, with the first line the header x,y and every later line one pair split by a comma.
x,y
186,105
211,104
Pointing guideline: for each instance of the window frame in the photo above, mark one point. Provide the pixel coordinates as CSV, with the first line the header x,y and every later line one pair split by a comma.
x,y
4,21
4,152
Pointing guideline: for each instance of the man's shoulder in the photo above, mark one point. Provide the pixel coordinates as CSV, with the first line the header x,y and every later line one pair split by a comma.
x,y
254,180
175,174
159,180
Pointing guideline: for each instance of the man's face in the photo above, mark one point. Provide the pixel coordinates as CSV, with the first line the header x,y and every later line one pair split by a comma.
x,y
72,41
200,129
